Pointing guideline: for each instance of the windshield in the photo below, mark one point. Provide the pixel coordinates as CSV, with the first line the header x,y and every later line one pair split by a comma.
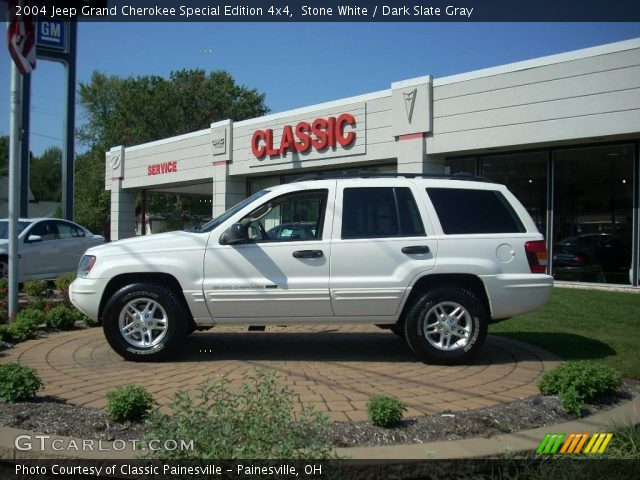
x,y
236,208
4,228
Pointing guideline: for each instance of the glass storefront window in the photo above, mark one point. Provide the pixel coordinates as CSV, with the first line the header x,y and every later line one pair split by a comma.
x,y
460,165
525,175
593,208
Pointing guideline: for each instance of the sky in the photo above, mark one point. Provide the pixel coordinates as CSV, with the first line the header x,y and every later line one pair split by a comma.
x,y
295,65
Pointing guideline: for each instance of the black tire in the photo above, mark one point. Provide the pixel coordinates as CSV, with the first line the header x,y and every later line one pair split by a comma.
x,y
436,307
170,314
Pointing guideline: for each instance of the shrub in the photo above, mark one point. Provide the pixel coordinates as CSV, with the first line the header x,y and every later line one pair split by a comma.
x,y
20,330
62,284
578,381
36,288
4,288
257,423
18,383
4,333
62,317
32,316
385,411
131,402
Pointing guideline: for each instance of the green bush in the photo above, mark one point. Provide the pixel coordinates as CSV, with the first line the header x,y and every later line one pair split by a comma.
x,y
385,411
32,316
62,317
62,284
256,423
18,383
131,402
578,381
36,288
20,330
5,336
4,288
4,309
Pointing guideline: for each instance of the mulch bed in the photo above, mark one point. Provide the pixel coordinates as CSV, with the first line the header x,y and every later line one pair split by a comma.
x,y
47,415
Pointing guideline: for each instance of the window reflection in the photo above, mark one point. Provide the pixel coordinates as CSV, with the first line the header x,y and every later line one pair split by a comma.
x,y
525,175
593,214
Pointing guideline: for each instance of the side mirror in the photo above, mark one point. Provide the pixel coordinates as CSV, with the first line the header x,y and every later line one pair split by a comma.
x,y
238,233
34,238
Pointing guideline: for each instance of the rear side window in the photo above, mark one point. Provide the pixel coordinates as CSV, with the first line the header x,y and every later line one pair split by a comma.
x,y
375,212
474,211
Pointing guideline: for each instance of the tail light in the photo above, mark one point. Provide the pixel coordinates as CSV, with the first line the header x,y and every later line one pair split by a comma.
x,y
537,256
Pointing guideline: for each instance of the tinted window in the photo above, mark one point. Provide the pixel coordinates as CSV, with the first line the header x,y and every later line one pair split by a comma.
x,y
474,211
410,221
47,230
380,212
68,230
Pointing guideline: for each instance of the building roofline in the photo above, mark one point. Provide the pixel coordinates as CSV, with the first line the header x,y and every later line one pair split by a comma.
x,y
540,61
461,77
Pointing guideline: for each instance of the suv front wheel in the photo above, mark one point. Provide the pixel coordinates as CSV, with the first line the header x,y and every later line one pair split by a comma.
x,y
446,326
144,322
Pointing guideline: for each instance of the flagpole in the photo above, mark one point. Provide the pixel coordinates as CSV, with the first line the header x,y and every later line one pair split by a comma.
x,y
14,187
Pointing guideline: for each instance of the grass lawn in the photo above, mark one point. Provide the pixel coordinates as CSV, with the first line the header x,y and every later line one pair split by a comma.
x,y
584,325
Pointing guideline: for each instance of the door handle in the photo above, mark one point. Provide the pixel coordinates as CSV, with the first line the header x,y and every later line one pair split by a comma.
x,y
415,249
308,254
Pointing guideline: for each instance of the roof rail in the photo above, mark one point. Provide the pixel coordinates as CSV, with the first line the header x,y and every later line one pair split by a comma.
x,y
369,174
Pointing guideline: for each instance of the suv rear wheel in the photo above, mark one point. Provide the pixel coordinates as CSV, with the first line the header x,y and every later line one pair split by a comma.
x,y
144,322
447,326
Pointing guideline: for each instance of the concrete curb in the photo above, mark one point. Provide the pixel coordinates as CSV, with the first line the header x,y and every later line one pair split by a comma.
x,y
526,440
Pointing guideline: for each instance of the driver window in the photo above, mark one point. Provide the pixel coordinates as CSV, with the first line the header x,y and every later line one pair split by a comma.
x,y
47,230
292,217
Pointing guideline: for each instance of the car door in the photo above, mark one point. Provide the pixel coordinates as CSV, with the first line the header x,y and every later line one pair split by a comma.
x,y
380,245
274,278
72,244
40,258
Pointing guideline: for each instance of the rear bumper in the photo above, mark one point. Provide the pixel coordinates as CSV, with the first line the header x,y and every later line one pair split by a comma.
x,y
511,294
86,293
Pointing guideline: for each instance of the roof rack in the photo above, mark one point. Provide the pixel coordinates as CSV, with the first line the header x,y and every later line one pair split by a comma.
x,y
369,174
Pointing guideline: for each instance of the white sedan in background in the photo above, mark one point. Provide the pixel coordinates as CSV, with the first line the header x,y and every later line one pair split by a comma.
x,y
48,247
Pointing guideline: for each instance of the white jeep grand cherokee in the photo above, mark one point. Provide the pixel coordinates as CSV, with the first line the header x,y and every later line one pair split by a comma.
x,y
434,259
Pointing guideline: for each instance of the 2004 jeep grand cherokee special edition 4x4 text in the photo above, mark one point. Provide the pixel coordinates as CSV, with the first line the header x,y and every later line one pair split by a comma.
x,y
434,259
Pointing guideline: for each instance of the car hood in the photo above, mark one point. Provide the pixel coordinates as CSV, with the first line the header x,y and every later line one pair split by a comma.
x,y
159,242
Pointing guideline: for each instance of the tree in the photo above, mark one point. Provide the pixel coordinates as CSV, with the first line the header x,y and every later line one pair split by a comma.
x,y
45,175
130,111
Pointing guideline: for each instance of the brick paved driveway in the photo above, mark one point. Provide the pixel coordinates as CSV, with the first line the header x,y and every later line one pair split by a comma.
x,y
333,370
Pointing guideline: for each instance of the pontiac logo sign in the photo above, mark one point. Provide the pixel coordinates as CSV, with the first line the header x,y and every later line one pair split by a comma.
x,y
409,102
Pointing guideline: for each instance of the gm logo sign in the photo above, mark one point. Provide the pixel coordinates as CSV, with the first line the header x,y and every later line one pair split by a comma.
x,y
52,34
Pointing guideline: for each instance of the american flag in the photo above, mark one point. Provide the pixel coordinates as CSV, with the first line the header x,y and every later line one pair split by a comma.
x,y
21,36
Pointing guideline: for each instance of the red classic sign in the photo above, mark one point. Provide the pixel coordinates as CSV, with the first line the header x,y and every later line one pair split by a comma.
x,y
320,134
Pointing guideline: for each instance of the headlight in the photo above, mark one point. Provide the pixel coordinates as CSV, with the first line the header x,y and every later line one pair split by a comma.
x,y
86,264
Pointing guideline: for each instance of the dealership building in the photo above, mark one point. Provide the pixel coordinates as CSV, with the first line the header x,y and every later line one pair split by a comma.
x,y
562,132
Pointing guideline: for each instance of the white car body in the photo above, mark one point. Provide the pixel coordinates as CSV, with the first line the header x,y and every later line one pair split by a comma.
x,y
51,255
355,281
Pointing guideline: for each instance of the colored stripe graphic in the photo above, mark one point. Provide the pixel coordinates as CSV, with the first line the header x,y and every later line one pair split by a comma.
x,y
598,443
574,443
550,443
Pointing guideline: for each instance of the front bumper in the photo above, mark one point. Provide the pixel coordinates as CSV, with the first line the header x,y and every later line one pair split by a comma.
x,y
514,294
85,294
